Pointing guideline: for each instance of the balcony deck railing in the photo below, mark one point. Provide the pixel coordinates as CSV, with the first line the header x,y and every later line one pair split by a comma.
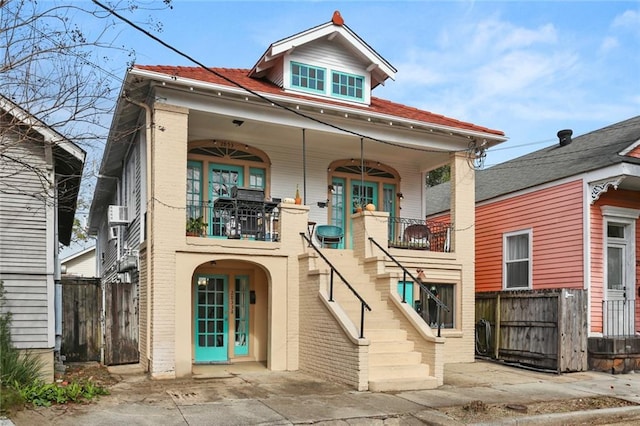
x,y
236,219
419,234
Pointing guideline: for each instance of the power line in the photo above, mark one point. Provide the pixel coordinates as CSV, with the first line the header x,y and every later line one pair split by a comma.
x,y
254,93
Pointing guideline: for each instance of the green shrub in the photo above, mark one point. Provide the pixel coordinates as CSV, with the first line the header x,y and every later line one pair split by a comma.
x,y
42,394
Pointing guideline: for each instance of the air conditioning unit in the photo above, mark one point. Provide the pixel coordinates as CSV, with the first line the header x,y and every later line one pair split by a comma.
x,y
128,262
118,215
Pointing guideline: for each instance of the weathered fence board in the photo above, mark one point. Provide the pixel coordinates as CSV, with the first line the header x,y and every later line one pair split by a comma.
x,y
546,329
81,308
121,335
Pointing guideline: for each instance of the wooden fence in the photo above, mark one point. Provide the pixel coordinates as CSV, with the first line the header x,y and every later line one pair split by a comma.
x,y
545,329
81,309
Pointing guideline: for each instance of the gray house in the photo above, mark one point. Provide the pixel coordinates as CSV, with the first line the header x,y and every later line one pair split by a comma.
x,y
40,172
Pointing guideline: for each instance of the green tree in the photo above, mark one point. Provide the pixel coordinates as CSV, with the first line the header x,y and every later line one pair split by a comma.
x,y
438,176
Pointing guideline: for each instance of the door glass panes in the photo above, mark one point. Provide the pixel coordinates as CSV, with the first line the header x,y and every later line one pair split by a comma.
x,y
362,195
242,316
222,181
615,230
256,178
211,313
388,205
446,294
337,203
615,268
194,189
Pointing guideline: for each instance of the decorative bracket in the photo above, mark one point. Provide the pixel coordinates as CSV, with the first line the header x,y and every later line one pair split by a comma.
x,y
601,187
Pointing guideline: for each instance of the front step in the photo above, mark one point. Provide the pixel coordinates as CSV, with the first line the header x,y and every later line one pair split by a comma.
x,y
400,378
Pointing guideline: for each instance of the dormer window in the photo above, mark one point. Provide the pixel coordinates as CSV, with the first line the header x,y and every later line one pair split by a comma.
x,y
348,86
307,77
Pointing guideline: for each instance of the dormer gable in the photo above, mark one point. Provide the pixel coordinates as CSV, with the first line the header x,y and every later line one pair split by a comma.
x,y
329,61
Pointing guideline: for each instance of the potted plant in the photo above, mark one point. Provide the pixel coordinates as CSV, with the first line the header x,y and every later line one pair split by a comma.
x,y
196,226
357,206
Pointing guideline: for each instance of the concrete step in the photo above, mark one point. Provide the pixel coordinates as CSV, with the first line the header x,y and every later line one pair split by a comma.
x,y
404,371
394,358
397,346
399,385
385,334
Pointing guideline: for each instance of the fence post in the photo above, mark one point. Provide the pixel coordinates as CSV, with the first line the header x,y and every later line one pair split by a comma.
x,y
497,332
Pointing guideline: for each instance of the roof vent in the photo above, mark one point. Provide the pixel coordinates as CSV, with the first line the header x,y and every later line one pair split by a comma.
x,y
564,136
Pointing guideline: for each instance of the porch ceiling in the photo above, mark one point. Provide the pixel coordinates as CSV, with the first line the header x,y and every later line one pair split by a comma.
x,y
204,126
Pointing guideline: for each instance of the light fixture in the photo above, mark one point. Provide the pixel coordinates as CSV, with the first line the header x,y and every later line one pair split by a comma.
x,y
323,204
238,123
400,196
332,189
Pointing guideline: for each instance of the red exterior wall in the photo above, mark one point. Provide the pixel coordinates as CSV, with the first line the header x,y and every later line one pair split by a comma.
x,y
635,152
555,216
617,198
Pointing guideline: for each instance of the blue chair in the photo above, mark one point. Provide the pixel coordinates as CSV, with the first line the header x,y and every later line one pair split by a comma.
x,y
329,234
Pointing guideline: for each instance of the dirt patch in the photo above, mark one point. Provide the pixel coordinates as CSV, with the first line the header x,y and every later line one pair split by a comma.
x,y
478,411
87,371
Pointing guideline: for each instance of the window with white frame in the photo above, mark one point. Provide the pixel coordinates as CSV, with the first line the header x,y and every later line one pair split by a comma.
x,y
516,273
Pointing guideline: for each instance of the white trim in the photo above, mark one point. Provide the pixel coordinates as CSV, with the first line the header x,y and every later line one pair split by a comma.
x,y
620,212
505,237
295,101
78,254
586,249
630,148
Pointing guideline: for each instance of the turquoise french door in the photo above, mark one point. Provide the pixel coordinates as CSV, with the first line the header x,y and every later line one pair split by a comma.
x,y
222,178
211,320
362,193
241,333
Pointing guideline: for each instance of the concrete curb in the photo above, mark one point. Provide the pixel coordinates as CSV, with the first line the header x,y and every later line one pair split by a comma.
x,y
570,417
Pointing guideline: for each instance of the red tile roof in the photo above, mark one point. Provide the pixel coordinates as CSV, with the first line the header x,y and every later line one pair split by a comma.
x,y
378,105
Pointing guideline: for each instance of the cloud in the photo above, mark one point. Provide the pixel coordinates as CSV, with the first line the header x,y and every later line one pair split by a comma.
x,y
629,19
608,44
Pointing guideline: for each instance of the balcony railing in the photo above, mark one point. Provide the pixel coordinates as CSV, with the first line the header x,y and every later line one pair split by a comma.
x,y
618,317
236,219
418,234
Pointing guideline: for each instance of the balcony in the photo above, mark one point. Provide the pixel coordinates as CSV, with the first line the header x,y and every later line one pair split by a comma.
x,y
418,234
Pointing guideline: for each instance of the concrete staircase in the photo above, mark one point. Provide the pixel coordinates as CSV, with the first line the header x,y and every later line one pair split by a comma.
x,y
394,365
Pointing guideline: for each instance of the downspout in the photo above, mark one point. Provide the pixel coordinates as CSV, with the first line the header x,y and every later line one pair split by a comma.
x,y
57,297
150,203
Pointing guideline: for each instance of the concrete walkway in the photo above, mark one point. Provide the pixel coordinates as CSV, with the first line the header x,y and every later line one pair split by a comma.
x,y
251,395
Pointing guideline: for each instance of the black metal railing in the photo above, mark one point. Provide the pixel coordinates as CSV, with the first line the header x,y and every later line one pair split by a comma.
x,y
419,234
439,304
618,317
363,303
234,219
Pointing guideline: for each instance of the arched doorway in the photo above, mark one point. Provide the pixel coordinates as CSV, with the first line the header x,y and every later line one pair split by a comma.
x,y
355,183
230,311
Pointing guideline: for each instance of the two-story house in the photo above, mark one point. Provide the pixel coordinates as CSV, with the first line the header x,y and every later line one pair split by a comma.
x,y
40,173
197,210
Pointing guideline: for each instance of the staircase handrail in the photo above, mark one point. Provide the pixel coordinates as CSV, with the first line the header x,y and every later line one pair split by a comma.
x,y
439,303
363,303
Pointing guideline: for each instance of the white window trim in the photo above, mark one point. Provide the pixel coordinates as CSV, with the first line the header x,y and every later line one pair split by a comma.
x,y
505,236
628,217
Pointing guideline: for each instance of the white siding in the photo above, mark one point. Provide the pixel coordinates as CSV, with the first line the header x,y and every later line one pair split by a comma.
x,y
23,240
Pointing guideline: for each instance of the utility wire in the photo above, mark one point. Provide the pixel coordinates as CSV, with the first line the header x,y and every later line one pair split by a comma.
x,y
254,93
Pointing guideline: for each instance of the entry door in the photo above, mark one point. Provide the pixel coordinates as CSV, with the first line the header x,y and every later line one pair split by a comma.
x,y
211,319
362,193
619,306
222,178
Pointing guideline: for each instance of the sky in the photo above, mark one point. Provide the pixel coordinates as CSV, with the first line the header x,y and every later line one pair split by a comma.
x,y
526,68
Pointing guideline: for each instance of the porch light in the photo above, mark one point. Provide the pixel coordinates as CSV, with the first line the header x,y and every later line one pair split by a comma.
x,y
400,196
332,189
202,281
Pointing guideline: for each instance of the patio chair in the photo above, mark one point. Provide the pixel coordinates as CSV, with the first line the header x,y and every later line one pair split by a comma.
x,y
329,234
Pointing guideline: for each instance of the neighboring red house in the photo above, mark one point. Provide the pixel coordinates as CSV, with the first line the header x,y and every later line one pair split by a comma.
x,y
565,216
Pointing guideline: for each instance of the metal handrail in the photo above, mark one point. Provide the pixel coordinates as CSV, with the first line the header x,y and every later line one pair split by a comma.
x,y
363,303
424,288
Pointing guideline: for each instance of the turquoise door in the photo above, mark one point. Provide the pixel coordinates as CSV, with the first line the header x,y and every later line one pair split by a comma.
x,y
389,206
211,320
241,316
362,193
408,291
222,178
